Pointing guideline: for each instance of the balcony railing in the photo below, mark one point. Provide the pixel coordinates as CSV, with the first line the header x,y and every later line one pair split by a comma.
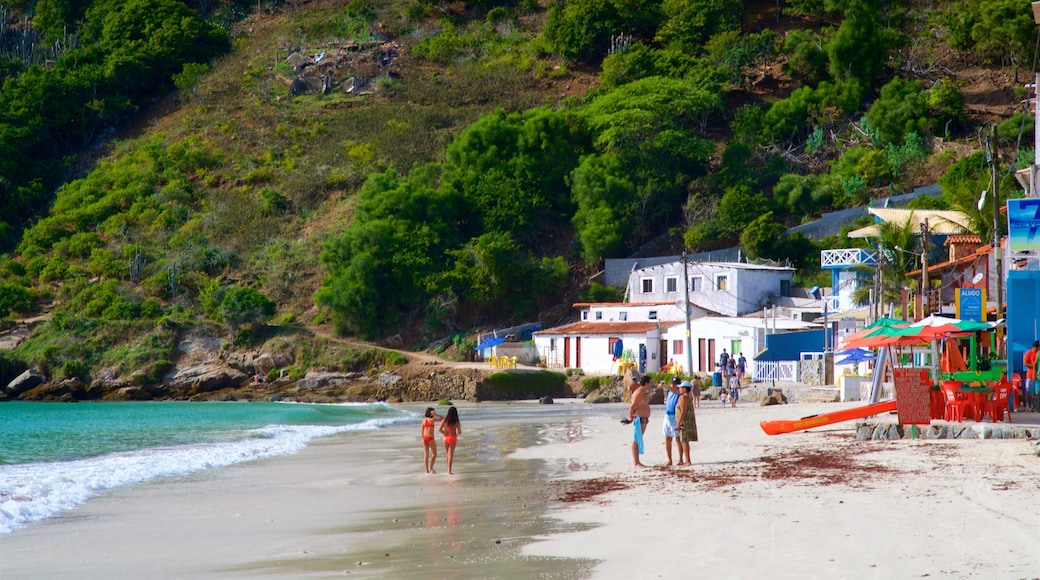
x,y
847,257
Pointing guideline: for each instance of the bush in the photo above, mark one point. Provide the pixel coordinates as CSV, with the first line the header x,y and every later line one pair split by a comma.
x,y
527,385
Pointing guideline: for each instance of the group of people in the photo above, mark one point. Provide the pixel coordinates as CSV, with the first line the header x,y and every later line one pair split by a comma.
x,y
733,369
450,429
680,421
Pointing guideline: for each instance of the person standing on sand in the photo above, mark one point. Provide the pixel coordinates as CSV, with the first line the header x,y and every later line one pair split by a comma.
x,y
734,390
429,445
741,367
450,428
686,421
668,428
724,366
1029,361
639,410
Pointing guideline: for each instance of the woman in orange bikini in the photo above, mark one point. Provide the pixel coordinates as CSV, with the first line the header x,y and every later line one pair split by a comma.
x,y
428,444
450,428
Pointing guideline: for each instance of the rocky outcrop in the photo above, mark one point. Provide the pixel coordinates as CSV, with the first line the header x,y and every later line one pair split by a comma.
x,y
203,378
24,382
318,380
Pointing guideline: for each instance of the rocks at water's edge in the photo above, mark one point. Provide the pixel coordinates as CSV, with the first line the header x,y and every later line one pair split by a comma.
x,y
23,382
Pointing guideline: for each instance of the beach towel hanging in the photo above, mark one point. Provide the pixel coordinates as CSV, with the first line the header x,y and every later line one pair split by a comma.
x,y
638,434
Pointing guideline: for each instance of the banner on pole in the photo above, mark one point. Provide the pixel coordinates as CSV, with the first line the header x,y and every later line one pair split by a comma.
x,y
1023,224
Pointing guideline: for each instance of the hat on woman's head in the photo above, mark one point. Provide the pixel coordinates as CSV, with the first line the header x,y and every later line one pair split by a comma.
x,y
686,385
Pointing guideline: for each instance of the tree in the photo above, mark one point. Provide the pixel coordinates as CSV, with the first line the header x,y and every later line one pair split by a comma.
x,y
762,237
652,126
1005,28
243,306
902,107
689,24
603,193
14,297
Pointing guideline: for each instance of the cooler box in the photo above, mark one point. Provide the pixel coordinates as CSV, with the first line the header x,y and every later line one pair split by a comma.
x,y
716,379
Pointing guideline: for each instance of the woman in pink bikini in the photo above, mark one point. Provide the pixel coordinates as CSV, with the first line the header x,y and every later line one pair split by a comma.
x,y
429,445
450,428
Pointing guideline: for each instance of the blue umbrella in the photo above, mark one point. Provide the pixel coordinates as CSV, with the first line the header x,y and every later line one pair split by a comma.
x,y
854,355
489,342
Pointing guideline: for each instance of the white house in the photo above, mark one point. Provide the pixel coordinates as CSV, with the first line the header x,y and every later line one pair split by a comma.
x,y
710,334
591,343
722,288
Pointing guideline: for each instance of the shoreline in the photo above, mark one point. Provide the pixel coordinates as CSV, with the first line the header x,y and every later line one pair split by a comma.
x,y
355,502
549,490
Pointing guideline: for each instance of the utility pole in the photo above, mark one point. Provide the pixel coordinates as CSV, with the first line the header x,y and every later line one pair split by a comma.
x,y
996,220
924,268
686,309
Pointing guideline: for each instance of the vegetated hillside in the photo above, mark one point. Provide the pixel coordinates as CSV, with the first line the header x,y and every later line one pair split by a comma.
x,y
471,163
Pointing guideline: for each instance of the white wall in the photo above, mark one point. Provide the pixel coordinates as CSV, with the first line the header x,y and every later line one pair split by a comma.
x,y
747,287
596,357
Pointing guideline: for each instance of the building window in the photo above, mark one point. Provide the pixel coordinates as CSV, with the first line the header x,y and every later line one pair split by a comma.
x,y
652,315
677,347
599,315
552,344
622,316
610,344
671,284
696,283
584,314
721,282
647,285
785,287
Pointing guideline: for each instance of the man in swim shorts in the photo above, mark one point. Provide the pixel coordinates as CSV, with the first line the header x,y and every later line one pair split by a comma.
x,y
639,409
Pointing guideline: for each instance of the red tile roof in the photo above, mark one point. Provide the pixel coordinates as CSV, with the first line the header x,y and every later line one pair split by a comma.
x,y
962,239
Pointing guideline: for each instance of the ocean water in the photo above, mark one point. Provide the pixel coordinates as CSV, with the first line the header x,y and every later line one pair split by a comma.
x,y
55,456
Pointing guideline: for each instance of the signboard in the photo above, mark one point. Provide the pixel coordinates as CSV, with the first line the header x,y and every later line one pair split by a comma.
x,y
1023,224
971,304
913,395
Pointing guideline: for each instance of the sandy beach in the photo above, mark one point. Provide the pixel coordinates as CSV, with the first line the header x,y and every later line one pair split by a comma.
x,y
551,493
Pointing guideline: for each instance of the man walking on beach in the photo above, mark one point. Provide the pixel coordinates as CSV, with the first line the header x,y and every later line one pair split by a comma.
x,y
639,410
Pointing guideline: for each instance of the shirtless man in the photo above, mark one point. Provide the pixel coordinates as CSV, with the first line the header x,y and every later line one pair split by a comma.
x,y
639,409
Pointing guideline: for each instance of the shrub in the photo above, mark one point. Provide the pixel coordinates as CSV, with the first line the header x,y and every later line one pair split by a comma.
x,y
527,385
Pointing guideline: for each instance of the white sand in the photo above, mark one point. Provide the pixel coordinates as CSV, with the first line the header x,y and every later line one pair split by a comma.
x,y
358,505
894,509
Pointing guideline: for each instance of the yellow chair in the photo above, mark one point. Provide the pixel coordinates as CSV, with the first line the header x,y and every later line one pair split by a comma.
x,y
512,362
493,361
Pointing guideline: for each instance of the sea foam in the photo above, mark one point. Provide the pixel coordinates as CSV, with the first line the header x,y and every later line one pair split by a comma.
x,y
31,492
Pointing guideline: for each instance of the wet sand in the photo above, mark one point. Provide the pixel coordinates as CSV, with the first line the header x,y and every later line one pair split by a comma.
x,y
553,495
356,503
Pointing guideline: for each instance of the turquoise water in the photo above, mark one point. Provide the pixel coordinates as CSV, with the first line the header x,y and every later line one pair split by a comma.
x,y
55,456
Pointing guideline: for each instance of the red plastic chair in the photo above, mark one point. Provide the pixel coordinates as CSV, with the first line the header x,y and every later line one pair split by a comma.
x,y
956,401
998,403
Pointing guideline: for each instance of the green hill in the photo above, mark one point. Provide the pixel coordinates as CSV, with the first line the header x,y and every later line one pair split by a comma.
x,y
406,171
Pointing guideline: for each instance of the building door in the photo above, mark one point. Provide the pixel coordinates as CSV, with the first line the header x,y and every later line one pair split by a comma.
x,y
702,355
662,354
566,352
577,352
711,355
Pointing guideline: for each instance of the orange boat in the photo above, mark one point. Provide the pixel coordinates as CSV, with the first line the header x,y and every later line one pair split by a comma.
x,y
790,426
